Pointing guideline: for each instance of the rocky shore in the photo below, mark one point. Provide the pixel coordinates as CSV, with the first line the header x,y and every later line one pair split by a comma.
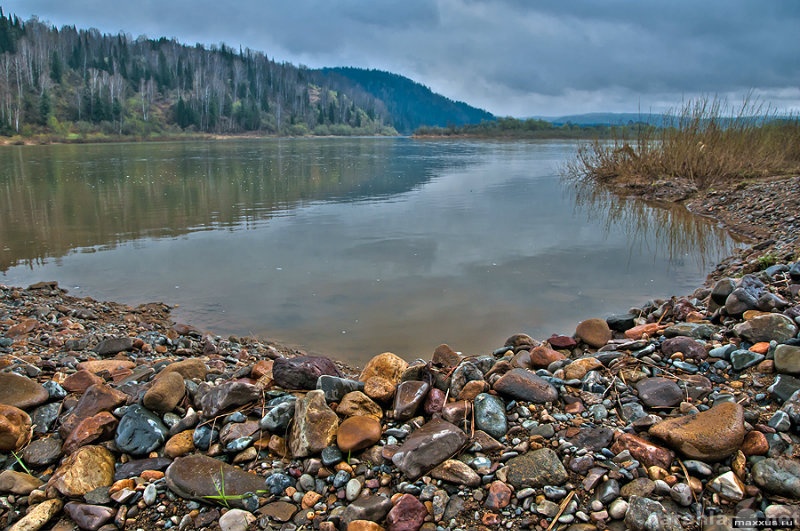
x,y
680,414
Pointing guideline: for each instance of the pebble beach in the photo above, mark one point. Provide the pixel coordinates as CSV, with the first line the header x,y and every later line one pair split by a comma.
x,y
681,413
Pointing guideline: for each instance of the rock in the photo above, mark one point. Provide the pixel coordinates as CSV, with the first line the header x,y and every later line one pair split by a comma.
x,y
691,330
15,428
427,447
520,342
710,435
199,477
649,515
779,476
767,327
784,387
647,453
314,427
593,438
409,397
607,491
742,359
755,443
38,516
88,468
388,366
642,487
464,374
490,415
594,332
113,345
140,431
165,393
111,366
499,496
21,392
542,356
189,369
456,472
578,368
722,288
522,384
445,357
180,444
435,400
536,469
787,359
379,389
363,525
80,381
336,387
728,486
97,398
282,511
43,452
227,396
236,520
278,418
302,372
372,508
91,517
18,482
690,348
98,427
659,392
620,322
408,514
357,433
358,404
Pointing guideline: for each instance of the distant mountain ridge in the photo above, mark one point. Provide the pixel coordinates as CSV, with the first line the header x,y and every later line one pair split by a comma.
x,y
607,118
411,105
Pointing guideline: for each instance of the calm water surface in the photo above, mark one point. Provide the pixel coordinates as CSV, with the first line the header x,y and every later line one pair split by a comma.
x,y
347,247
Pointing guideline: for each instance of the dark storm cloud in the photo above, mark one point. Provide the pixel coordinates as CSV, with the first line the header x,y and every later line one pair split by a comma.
x,y
510,56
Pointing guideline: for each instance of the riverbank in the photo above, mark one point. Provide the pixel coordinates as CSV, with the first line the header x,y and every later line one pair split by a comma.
x,y
676,415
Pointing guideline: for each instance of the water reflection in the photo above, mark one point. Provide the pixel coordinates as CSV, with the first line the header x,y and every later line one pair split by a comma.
x,y
347,247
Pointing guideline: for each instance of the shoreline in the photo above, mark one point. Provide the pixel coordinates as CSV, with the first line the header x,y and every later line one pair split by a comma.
x,y
561,403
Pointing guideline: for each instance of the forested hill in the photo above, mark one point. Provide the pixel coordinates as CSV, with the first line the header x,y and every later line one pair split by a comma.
x,y
78,84
410,104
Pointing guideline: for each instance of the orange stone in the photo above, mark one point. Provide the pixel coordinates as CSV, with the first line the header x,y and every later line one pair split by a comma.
x,y
357,433
637,332
761,347
151,475
755,443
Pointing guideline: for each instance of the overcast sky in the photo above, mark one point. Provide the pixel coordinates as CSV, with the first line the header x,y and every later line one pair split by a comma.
x,y
511,57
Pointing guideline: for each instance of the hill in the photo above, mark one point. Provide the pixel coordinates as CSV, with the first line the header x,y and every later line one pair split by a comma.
x,y
607,118
411,105
78,84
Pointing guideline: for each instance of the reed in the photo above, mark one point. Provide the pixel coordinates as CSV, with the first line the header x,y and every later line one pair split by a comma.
x,y
706,143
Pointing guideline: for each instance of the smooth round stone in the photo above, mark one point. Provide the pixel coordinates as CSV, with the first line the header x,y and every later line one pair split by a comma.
x,y
331,455
490,415
594,332
617,509
140,431
352,489
659,392
681,493
20,391
357,433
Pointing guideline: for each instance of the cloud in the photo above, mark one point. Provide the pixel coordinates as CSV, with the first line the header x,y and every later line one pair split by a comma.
x,y
510,56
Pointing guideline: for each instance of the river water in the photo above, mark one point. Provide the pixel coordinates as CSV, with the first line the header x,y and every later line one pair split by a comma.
x,y
344,247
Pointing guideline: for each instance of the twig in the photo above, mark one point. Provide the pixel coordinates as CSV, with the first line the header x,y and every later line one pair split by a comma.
x,y
561,509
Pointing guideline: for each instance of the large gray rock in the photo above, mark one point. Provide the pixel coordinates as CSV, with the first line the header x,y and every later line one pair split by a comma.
x,y
767,327
778,476
787,359
659,392
537,468
649,515
522,384
428,446
490,415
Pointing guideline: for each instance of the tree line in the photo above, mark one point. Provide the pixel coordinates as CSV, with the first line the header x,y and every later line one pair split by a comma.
x,y
74,82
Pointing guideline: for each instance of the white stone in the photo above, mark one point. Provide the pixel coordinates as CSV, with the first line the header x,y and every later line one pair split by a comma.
x,y
236,520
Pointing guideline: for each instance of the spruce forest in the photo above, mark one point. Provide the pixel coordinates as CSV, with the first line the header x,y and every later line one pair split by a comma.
x,y
74,84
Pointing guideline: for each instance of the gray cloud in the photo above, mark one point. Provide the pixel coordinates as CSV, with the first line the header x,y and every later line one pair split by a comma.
x,y
510,56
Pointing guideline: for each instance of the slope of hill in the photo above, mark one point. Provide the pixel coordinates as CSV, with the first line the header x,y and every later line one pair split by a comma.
x,y
607,118
410,104
80,84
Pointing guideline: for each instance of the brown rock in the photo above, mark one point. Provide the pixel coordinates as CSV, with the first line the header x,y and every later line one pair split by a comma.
x,y
89,430
165,393
281,511
637,332
357,433
179,444
15,428
23,327
363,525
260,369
314,426
357,403
38,516
710,435
111,366
20,391
18,482
190,369
379,389
755,443
88,468
645,452
80,381
499,496
456,472
542,356
578,368
594,332
387,365
472,389
97,398
521,341
523,384
445,357
408,514
408,398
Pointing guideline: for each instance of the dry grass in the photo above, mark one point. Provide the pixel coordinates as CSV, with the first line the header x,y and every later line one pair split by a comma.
x,y
705,144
